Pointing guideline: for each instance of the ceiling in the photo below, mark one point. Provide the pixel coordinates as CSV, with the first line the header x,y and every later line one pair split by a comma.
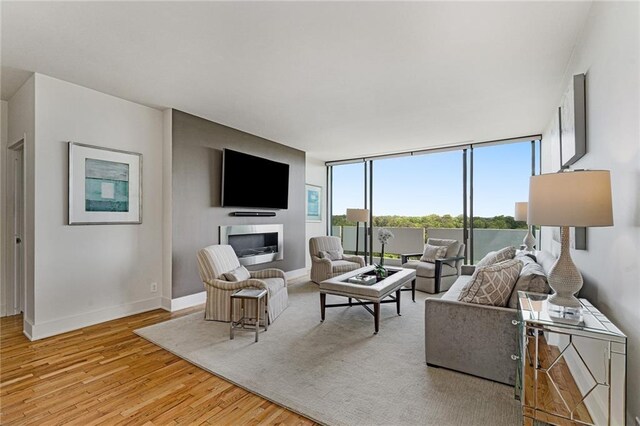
x,y
335,79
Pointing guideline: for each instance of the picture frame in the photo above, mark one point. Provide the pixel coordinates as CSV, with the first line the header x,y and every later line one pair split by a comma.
x,y
105,186
313,203
577,237
573,126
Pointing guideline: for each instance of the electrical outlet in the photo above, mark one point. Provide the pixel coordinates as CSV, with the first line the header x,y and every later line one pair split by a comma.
x,y
154,287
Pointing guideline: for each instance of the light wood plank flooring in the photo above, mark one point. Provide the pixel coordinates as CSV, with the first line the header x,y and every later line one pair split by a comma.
x,y
106,374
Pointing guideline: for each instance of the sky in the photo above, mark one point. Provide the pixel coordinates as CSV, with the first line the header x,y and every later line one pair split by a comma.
x,y
432,183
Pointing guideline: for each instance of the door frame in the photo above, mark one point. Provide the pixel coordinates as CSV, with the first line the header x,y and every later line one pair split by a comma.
x,y
15,295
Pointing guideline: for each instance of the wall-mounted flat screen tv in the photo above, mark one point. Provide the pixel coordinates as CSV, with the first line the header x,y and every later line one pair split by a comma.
x,y
250,181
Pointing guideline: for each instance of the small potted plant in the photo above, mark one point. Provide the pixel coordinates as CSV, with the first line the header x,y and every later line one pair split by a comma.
x,y
381,273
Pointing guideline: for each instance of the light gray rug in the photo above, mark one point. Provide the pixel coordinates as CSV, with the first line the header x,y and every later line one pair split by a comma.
x,y
338,372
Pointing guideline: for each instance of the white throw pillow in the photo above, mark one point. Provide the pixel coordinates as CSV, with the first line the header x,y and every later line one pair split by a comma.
x,y
492,285
239,274
431,253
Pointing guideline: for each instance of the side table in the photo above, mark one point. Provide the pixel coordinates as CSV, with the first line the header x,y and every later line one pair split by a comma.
x,y
257,294
569,372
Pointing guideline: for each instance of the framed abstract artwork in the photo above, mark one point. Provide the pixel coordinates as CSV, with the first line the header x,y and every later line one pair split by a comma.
x,y
313,203
573,126
105,186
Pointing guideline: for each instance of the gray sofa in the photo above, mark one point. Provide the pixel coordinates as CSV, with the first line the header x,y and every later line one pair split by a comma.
x,y
471,338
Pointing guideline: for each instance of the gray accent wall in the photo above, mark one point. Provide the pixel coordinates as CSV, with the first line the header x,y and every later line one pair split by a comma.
x,y
196,184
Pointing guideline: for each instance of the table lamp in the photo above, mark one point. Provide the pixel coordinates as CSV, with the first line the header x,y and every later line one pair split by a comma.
x,y
521,214
357,216
569,198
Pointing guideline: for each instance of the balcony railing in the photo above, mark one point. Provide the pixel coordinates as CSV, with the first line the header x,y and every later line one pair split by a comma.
x,y
411,240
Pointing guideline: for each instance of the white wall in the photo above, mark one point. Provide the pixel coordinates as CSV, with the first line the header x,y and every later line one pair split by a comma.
x,y
316,173
92,273
21,119
608,53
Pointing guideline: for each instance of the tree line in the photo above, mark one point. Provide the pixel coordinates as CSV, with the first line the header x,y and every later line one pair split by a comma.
x,y
436,221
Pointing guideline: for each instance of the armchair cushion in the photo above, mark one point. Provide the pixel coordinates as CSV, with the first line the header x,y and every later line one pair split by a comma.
x,y
239,274
453,248
428,270
342,266
330,254
431,253
492,285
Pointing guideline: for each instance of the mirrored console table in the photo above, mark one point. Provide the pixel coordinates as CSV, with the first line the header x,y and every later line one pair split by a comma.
x,y
571,371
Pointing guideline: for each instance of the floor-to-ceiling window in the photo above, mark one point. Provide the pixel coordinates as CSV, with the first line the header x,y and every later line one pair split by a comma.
x,y
466,193
348,191
500,179
417,197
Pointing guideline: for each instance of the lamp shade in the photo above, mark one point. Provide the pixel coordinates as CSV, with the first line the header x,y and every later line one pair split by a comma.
x,y
578,198
358,215
521,211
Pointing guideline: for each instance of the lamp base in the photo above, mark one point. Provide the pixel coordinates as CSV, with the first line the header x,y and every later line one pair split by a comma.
x,y
529,241
564,278
565,314
564,301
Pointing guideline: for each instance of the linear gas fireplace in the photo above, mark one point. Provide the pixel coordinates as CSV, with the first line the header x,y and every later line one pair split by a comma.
x,y
254,244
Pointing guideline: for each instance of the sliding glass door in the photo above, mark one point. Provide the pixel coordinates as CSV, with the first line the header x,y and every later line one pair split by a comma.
x,y
466,193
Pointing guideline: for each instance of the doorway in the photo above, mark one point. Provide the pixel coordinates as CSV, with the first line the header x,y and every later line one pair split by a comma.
x,y
15,291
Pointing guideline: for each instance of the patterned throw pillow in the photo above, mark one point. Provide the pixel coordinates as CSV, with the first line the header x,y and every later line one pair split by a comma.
x,y
492,285
239,274
494,257
331,254
431,253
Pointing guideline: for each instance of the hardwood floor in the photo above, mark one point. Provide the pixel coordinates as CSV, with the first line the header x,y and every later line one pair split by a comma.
x,y
106,374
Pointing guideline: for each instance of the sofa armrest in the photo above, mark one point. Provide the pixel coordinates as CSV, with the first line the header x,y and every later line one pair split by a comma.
x,y
467,269
269,273
236,285
355,259
471,338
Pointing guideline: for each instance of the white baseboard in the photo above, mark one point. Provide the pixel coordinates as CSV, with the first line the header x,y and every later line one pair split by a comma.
x,y
27,328
74,322
185,302
296,273
165,303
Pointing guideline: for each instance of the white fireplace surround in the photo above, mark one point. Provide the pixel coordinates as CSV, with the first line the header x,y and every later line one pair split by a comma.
x,y
254,244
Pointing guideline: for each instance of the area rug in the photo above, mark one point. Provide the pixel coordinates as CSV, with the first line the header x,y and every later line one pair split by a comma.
x,y
338,372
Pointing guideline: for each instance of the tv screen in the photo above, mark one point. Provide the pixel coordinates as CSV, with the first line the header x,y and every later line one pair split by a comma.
x,y
250,181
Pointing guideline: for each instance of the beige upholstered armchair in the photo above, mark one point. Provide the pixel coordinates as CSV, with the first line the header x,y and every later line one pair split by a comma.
x,y
440,275
328,259
216,261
